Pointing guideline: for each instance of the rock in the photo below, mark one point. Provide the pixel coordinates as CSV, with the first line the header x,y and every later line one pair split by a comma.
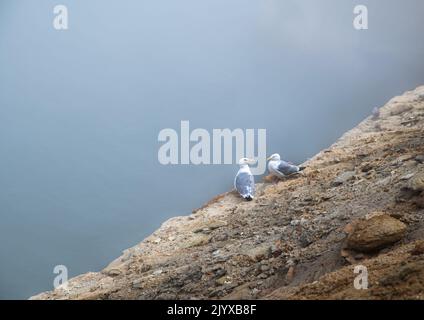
x,y
195,241
420,158
348,255
407,176
209,226
166,296
290,274
217,224
419,201
305,240
216,253
223,280
366,167
138,284
349,228
376,232
242,292
418,249
399,109
259,253
406,194
215,293
157,272
255,291
343,178
114,272
264,268
417,182
221,237
294,223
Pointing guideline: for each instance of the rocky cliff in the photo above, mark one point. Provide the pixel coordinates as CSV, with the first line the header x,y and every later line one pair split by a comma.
x,y
359,202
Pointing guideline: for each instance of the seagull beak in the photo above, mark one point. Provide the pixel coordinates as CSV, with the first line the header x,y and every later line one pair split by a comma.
x,y
269,158
252,161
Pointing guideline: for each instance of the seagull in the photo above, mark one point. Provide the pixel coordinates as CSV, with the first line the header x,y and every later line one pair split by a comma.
x,y
280,168
244,181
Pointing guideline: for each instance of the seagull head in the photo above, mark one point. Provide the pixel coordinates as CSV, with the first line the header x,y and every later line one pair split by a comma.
x,y
274,157
246,161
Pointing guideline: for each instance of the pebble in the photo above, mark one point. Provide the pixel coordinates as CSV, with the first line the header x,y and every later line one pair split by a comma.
x,y
157,272
420,158
264,268
407,177
343,178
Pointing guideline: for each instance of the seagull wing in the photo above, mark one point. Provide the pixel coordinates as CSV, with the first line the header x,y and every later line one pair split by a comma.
x,y
287,168
245,184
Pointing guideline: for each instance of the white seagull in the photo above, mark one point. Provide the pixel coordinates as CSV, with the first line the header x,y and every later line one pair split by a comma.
x,y
281,168
244,181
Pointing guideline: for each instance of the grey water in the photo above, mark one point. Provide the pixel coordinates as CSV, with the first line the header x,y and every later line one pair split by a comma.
x,y
81,109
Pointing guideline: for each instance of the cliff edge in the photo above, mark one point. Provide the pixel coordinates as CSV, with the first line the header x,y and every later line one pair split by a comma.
x,y
359,202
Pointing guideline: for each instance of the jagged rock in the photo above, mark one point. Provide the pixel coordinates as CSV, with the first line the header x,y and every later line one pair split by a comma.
x,y
407,176
209,226
114,272
419,201
305,240
166,296
377,232
343,178
417,182
367,167
157,272
420,158
259,253
264,267
138,284
290,274
196,240
223,280
418,249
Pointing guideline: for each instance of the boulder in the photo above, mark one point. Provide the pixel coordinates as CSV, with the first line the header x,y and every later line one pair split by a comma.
x,y
375,232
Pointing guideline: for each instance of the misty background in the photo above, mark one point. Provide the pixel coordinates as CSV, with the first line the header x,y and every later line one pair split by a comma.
x,y
80,110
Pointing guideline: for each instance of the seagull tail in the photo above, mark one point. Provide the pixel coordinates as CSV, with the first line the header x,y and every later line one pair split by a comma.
x,y
302,168
248,198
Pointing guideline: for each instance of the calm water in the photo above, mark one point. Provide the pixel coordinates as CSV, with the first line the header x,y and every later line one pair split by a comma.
x,y
80,110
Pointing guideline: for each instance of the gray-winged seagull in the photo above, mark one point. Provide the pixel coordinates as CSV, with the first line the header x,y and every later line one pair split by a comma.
x,y
244,181
281,168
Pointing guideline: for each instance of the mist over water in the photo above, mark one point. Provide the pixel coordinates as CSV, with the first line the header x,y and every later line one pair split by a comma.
x,y
80,110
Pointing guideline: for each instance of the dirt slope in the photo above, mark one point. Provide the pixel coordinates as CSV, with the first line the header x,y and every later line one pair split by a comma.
x,y
360,202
